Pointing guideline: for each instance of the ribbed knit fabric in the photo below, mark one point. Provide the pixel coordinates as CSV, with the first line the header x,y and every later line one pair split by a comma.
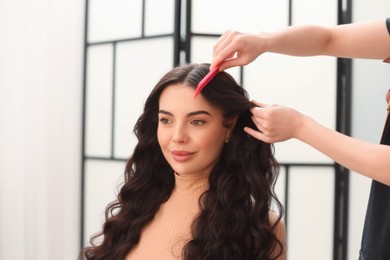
x,y
165,236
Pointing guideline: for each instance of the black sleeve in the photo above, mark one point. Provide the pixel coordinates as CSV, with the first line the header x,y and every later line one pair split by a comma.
x,y
388,24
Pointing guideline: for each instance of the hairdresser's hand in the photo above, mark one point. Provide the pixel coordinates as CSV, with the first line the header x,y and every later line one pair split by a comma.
x,y
246,47
387,97
276,123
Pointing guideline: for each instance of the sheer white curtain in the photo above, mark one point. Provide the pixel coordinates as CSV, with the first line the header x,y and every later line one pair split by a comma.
x,y
41,58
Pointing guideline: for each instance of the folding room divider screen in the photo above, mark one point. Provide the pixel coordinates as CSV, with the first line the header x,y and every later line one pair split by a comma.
x,y
130,44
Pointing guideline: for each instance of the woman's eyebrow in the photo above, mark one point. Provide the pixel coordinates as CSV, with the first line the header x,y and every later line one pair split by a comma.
x,y
165,112
199,112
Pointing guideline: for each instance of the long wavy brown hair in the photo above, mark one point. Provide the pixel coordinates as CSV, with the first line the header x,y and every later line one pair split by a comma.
x,y
234,219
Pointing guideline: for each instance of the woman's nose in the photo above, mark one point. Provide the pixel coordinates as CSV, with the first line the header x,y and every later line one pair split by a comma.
x,y
180,136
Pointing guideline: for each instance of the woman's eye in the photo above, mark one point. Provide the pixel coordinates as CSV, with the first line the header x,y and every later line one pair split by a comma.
x,y
198,122
165,121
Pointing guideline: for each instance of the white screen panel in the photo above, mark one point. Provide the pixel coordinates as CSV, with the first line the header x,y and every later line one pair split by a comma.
x,y
202,52
102,182
322,12
248,15
140,65
306,84
99,101
159,17
114,19
310,215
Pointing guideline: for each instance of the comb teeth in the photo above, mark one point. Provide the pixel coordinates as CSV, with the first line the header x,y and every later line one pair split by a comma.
x,y
206,79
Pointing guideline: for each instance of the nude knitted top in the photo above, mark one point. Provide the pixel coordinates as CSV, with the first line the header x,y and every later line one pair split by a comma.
x,y
168,232
166,235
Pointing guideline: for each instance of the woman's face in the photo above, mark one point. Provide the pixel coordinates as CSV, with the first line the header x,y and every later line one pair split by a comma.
x,y
190,131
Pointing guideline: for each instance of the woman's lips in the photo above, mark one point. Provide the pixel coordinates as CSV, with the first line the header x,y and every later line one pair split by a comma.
x,y
181,156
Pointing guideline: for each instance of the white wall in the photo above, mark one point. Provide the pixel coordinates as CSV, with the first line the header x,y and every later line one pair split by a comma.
x,y
41,57
371,81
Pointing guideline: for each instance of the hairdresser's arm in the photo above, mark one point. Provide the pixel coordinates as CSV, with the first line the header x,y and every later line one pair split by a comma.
x,y
279,123
360,40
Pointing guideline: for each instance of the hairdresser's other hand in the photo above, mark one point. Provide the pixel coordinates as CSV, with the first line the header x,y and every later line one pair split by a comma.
x,y
246,47
275,123
387,97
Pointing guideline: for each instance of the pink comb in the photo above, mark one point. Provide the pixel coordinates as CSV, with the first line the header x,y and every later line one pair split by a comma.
x,y
207,79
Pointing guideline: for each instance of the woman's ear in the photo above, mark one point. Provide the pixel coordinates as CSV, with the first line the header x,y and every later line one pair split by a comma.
x,y
230,124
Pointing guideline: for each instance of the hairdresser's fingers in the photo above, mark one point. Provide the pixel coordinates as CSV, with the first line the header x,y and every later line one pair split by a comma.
x,y
235,62
258,123
267,128
261,112
233,43
257,134
221,42
242,55
220,53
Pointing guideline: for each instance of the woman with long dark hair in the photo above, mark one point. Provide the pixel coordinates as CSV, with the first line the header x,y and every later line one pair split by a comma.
x,y
197,186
